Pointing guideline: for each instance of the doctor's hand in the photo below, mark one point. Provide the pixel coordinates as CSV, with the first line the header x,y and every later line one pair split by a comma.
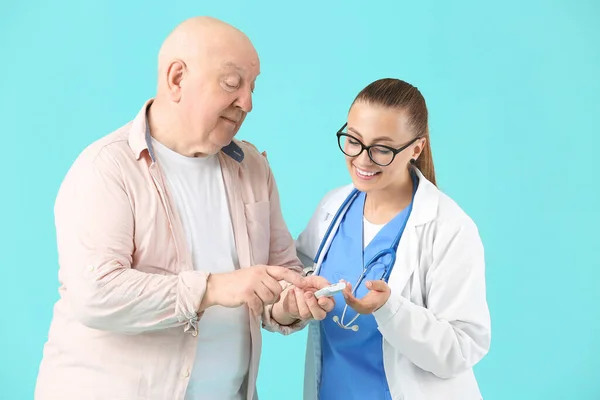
x,y
301,304
255,287
378,295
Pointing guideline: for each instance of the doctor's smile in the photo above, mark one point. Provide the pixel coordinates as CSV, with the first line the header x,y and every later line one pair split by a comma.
x,y
365,174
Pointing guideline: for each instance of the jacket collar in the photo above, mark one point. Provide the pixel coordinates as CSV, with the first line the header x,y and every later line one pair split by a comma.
x,y
140,139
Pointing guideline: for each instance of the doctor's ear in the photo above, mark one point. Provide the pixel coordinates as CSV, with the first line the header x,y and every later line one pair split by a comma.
x,y
417,149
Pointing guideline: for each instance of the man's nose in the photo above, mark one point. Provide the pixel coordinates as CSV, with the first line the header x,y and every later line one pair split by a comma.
x,y
244,101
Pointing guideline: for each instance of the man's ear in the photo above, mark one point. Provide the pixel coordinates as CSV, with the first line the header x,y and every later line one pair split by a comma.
x,y
175,75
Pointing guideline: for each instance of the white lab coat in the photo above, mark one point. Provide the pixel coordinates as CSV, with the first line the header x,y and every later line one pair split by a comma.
x,y
436,323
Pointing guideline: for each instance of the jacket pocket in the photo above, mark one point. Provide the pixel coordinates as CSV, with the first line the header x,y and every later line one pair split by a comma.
x,y
258,223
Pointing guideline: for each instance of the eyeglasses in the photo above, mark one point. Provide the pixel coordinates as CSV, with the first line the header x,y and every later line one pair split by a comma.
x,y
380,154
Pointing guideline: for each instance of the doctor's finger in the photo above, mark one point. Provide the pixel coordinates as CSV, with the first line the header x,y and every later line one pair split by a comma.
x,y
379,286
313,305
349,297
347,293
348,288
360,306
373,300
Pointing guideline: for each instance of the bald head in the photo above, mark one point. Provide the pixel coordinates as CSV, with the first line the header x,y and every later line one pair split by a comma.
x,y
206,75
197,39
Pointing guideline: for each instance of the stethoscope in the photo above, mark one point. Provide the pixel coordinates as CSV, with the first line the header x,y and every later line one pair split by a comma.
x,y
386,257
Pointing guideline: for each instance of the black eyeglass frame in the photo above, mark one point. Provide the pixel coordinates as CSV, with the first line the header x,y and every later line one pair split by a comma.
x,y
395,152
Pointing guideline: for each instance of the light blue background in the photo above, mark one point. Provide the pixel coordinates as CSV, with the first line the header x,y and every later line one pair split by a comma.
x,y
513,92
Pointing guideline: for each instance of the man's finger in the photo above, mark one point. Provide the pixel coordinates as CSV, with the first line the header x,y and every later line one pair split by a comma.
x,y
286,274
378,286
316,282
264,293
316,311
273,285
291,303
326,303
303,310
255,305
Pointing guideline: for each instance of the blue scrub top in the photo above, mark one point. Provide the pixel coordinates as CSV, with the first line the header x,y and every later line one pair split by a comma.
x,y
352,362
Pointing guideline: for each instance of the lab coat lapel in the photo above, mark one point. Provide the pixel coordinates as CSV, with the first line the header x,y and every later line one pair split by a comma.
x,y
424,210
407,258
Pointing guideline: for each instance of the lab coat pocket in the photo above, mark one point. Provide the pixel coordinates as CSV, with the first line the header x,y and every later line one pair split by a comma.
x,y
258,223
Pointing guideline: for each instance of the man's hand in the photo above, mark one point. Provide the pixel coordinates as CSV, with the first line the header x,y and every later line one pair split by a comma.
x,y
378,295
301,304
255,286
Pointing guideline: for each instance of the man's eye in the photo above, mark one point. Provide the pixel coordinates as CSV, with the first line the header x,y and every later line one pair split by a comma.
x,y
231,84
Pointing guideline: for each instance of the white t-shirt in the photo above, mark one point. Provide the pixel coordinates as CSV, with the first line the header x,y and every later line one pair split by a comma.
x,y
197,188
370,231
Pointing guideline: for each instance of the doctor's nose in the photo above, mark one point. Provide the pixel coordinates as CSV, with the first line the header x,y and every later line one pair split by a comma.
x,y
363,159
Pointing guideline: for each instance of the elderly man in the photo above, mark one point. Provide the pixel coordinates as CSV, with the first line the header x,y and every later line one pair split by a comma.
x,y
158,225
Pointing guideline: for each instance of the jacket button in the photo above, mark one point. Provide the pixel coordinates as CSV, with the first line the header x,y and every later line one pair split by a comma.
x,y
195,333
186,374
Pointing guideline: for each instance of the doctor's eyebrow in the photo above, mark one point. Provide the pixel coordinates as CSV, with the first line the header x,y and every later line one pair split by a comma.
x,y
377,139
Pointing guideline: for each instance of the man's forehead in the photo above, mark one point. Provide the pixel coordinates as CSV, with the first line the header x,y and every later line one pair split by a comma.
x,y
251,67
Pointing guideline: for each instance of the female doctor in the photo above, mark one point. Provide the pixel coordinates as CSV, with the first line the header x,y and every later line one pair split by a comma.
x,y
413,319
